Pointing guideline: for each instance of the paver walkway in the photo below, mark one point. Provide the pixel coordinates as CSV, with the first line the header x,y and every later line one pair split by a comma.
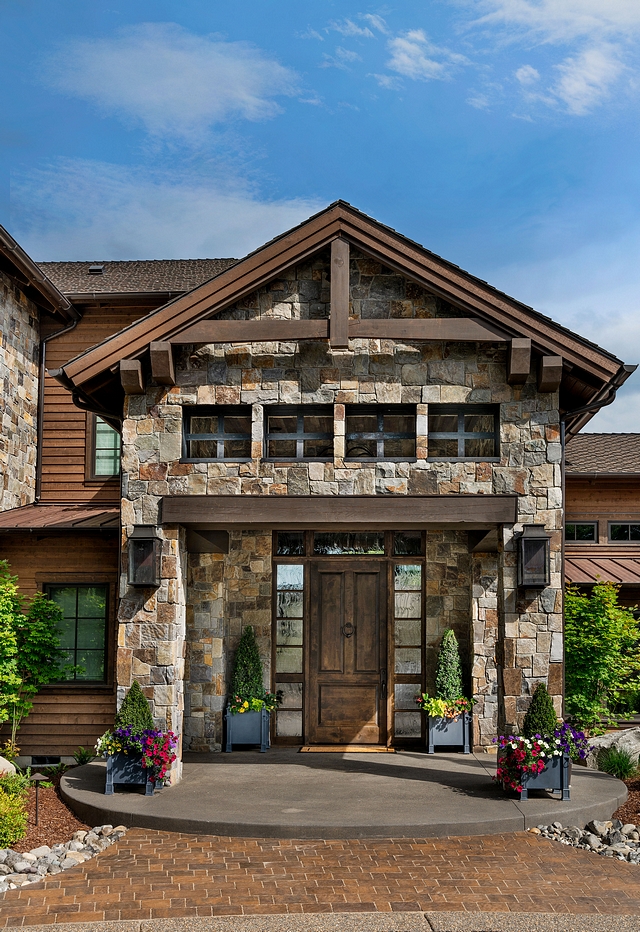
x,y
150,875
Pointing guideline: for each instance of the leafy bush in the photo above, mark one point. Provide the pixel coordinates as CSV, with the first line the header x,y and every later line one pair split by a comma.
x,y
14,784
135,712
448,669
602,660
246,681
541,718
83,756
13,819
618,762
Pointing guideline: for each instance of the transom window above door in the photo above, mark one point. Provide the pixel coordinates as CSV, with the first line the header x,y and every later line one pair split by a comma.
x,y
295,432
463,432
215,432
380,432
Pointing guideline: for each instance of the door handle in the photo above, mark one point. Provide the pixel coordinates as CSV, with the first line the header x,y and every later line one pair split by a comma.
x,y
383,683
348,630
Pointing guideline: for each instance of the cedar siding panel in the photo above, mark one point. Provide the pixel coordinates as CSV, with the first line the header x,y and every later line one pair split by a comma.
x,y
64,425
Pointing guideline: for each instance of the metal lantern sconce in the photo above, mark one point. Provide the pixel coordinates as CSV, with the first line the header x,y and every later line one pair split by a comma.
x,y
534,557
145,546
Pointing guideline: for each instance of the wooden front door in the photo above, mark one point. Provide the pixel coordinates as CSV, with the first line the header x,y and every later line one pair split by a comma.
x,y
347,658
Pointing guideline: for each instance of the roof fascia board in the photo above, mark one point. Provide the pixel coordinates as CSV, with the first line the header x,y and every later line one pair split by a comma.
x,y
54,301
389,247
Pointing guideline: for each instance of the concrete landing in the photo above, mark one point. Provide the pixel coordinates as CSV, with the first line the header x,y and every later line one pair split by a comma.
x,y
284,794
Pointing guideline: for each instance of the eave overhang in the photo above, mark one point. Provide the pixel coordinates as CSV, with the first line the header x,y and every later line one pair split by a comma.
x,y
33,281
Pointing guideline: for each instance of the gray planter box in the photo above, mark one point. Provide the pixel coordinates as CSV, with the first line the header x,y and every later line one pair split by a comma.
x,y
247,728
127,768
452,732
555,776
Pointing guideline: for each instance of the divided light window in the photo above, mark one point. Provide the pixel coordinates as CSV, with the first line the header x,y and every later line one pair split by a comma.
x,y
294,432
380,432
106,449
463,432
585,531
216,432
83,630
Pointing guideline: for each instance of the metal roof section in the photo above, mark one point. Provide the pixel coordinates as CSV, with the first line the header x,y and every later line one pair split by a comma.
x,y
610,566
60,517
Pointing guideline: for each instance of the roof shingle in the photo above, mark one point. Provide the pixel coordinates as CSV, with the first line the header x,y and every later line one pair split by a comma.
x,y
615,454
135,276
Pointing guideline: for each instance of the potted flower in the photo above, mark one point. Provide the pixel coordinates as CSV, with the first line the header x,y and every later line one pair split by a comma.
x,y
247,713
449,712
137,752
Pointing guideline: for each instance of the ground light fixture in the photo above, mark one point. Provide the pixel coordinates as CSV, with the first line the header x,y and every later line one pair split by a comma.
x,y
145,546
534,557
37,778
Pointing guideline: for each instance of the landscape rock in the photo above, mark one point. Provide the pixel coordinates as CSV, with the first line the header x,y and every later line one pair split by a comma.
x,y
604,838
6,767
41,851
628,739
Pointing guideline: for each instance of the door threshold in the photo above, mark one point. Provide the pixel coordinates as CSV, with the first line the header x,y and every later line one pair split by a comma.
x,y
346,749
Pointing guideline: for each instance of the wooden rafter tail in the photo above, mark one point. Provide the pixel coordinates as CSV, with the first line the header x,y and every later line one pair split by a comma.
x,y
519,362
162,368
131,376
549,373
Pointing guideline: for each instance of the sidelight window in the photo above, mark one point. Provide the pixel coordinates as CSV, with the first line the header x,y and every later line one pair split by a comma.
x,y
463,432
380,432
289,647
216,432
407,628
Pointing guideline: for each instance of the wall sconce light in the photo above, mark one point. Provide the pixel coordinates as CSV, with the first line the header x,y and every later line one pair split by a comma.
x,y
534,558
145,546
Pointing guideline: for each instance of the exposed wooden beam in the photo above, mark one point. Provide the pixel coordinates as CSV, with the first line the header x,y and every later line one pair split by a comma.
x,y
131,376
349,512
339,323
457,329
519,363
162,369
549,373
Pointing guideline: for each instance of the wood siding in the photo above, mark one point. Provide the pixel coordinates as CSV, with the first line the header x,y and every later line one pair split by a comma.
x,y
66,716
64,425
602,500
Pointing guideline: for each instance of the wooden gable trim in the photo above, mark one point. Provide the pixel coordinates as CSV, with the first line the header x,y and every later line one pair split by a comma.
x,y
340,221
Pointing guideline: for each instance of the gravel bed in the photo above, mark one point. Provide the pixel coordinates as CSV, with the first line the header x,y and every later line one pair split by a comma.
x,y
609,839
20,868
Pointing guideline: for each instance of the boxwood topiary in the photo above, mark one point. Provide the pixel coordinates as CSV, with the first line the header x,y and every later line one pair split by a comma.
x,y
541,718
135,711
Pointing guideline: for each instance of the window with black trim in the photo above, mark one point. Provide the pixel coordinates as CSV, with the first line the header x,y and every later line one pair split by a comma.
x,y
216,432
380,432
582,532
623,531
83,632
299,432
103,449
463,432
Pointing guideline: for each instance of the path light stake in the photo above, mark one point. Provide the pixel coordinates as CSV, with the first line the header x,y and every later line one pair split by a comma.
x,y
36,778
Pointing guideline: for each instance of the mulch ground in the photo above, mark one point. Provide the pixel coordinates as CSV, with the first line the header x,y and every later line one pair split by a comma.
x,y
154,875
56,822
630,811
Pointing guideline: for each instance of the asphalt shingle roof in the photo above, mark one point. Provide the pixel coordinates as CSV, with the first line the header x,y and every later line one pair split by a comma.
x,y
137,275
603,453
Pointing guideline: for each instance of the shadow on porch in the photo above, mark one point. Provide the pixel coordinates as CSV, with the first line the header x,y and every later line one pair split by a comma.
x,y
285,794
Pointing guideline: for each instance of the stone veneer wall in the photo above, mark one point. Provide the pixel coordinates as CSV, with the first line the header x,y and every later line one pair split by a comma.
x,y
19,356
516,637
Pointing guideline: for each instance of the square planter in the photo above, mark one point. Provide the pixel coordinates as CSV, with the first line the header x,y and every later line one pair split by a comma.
x,y
555,776
247,728
454,732
127,768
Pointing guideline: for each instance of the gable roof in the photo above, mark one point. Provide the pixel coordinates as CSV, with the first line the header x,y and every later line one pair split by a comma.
x,y
595,368
32,280
133,276
603,454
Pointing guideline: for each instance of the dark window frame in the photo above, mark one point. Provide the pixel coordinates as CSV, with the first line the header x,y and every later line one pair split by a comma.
x,y
576,540
462,410
628,524
90,474
219,411
74,584
300,436
379,436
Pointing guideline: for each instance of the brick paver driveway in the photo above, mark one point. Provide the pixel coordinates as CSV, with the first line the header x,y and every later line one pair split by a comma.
x,y
150,875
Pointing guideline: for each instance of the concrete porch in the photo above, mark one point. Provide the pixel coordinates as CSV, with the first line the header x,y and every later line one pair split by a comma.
x,y
285,794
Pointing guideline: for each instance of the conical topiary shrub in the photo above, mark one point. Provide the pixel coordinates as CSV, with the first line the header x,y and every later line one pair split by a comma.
x,y
541,718
246,681
448,669
135,711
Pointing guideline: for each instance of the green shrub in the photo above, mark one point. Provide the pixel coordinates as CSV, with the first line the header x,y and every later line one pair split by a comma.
x,y
618,762
83,756
541,718
135,711
448,669
246,680
13,819
15,784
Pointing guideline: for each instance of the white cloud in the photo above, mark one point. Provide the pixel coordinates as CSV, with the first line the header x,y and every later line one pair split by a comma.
x,y
169,80
341,59
77,209
376,21
388,81
586,79
527,75
347,27
415,56
564,20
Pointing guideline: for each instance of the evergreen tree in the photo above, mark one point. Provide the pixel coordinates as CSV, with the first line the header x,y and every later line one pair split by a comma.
x,y
246,680
448,669
541,718
135,711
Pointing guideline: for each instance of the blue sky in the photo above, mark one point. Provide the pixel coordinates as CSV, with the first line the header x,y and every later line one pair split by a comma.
x,y
501,134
